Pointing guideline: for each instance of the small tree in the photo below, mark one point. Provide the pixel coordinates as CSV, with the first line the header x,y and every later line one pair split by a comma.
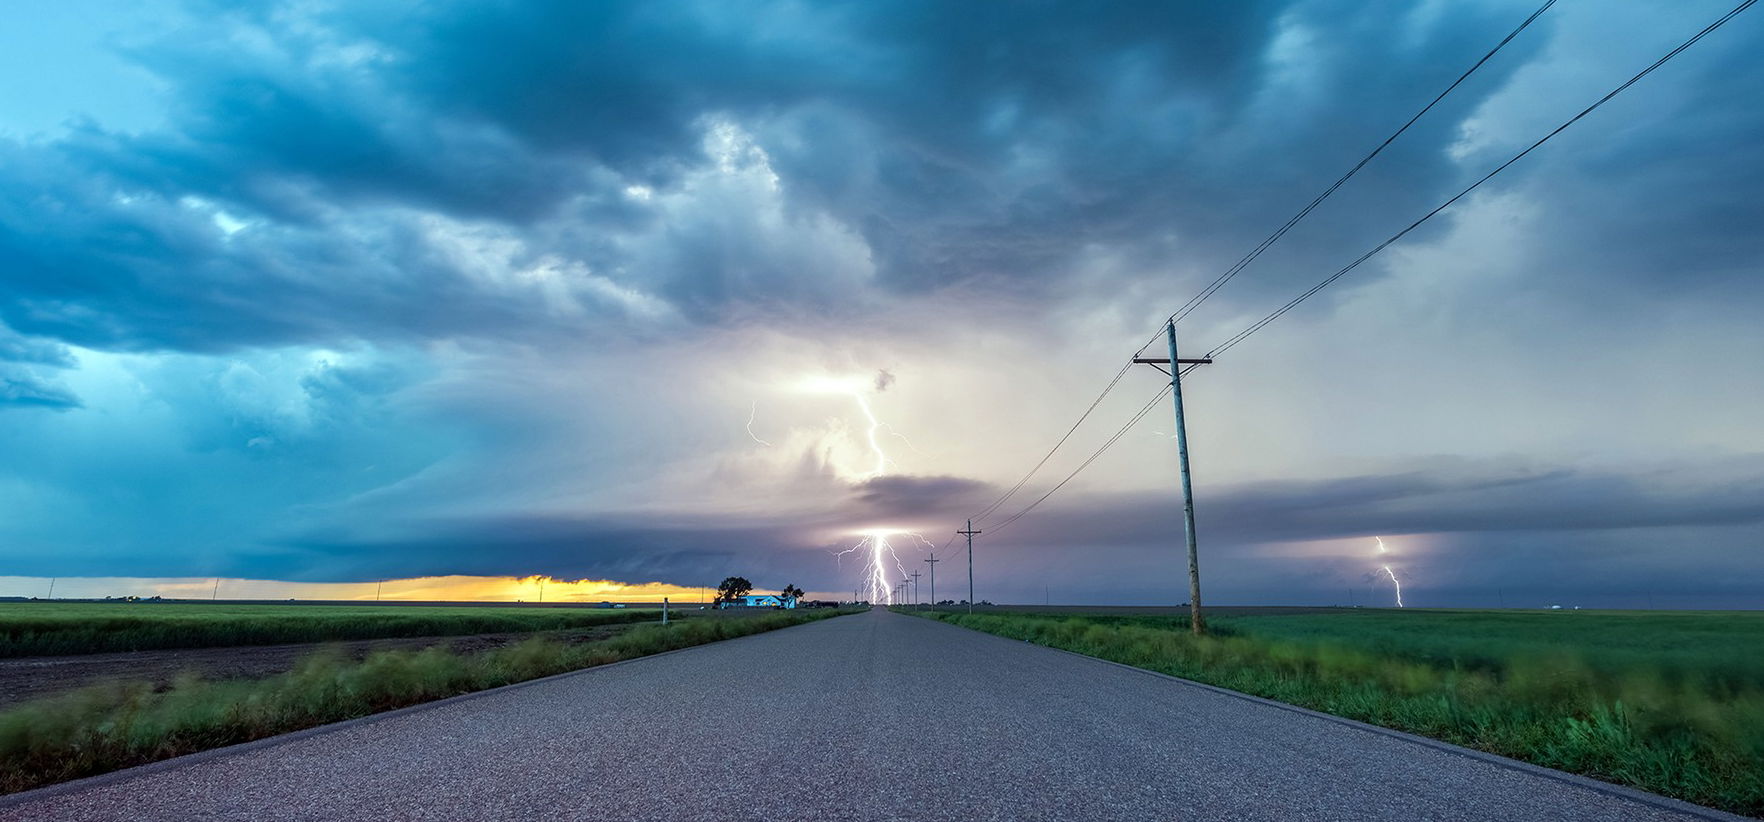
x,y
792,592
733,588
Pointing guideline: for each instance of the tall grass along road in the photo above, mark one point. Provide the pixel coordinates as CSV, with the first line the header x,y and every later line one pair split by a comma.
x,y
1669,702
876,716
105,727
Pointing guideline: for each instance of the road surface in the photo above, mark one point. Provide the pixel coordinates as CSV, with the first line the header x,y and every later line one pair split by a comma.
x,y
876,716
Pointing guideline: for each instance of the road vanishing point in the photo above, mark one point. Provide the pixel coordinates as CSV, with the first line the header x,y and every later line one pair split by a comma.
x,y
876,716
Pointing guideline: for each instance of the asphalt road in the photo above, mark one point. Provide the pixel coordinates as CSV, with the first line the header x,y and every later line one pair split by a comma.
x,y
875,716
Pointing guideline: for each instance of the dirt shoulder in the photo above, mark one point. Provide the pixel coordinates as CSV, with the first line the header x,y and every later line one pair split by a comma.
x,y
31,677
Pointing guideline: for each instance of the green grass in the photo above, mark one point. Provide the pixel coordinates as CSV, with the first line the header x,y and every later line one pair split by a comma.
x,y
1718,646
115,726
1667,702
60,628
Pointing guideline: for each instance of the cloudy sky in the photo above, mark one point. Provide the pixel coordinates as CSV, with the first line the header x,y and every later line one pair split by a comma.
x,y
337,292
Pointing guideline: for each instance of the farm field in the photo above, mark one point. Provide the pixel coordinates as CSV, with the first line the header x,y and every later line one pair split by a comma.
x,y
140,715
1669,702
55,628
31,677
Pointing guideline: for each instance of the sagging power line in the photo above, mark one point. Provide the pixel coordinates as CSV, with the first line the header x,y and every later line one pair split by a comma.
x,y
1175,365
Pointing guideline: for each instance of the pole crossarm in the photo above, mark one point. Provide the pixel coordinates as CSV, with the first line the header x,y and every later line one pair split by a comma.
x,y
1197,622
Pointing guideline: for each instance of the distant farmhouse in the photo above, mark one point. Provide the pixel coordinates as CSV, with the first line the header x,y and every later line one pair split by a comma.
x,y
761,601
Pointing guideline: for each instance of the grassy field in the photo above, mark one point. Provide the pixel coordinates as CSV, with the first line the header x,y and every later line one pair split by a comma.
x,y
117,725
1669,702
57,628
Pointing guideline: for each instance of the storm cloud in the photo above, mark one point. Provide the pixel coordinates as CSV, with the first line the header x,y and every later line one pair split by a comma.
x,y
496,288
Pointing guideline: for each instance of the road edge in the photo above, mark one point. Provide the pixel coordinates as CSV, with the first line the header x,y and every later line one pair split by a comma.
x,y
22,798
1577,780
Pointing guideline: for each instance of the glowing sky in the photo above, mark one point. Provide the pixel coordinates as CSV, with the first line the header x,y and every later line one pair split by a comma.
x,y
335,292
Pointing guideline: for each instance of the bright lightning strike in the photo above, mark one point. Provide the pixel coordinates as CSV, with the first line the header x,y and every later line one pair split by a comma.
x,y
881,553
1389,573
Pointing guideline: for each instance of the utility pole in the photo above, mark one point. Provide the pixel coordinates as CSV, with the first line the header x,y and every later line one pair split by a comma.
x,y
970,532
915,590
664,610
932,561
1195,620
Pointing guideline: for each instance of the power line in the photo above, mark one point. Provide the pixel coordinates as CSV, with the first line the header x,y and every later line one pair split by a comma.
x,y
1256,252
1146,409
1264,321
1056,447
1343,271
1238,267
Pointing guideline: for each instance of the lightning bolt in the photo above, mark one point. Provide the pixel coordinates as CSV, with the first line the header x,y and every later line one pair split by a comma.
x,y
853,387
754,412
903,438
1389,573
880,553
882,460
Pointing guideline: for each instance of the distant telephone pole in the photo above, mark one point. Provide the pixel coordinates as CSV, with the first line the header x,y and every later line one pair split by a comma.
x,y
932,561
915,590
1196,621
970,532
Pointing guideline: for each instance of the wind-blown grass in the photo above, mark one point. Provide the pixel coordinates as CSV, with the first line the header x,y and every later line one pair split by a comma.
x,y
1689,726
104,728
60,628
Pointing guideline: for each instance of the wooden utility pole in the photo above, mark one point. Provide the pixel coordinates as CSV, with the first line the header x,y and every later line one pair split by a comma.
x,y
915,590
969,533
1196,621
932,561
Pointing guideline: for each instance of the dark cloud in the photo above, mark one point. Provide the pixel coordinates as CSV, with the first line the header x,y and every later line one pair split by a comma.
x,y
917,497
587,175
1431,502
957,143
22,389
15,347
